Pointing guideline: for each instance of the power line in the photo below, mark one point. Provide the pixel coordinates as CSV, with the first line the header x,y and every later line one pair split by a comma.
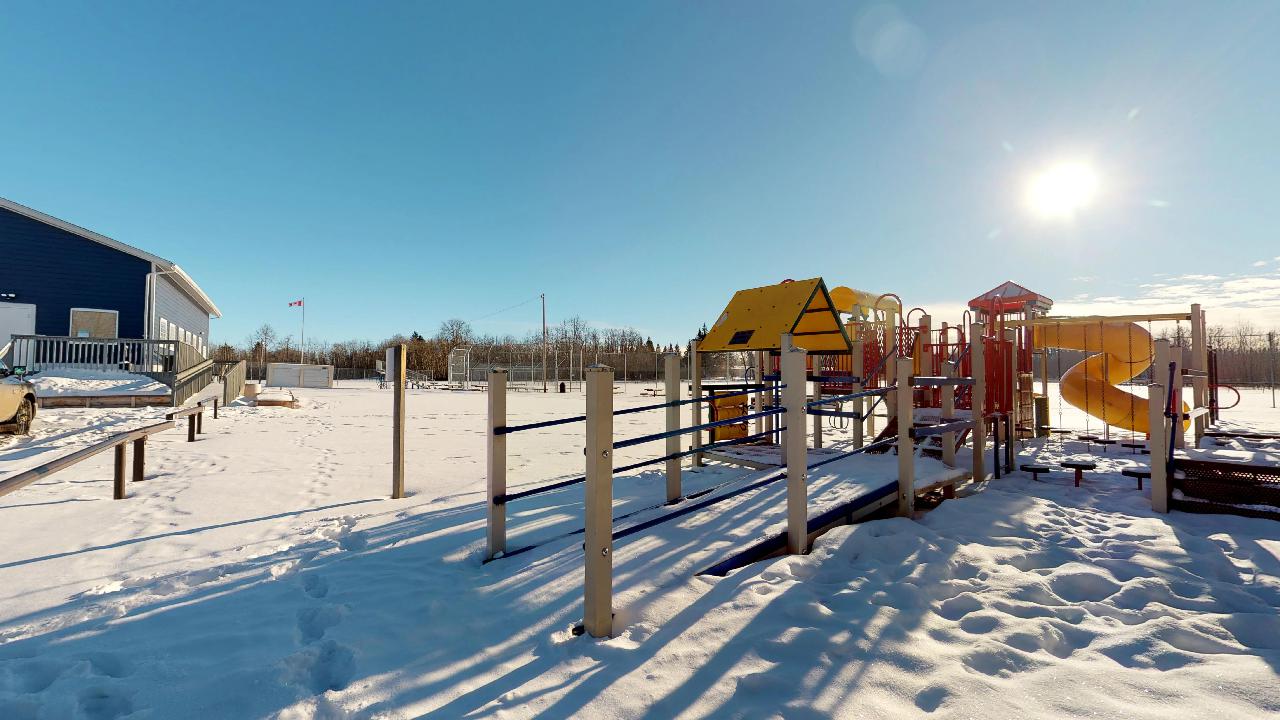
x,y
499,312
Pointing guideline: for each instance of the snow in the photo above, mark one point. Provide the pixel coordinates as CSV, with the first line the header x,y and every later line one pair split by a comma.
x,y
80,383
262,572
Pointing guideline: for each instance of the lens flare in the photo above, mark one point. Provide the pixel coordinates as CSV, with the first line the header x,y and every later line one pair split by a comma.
x,y
1062,190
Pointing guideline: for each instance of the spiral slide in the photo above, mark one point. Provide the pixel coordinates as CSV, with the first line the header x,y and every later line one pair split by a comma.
x,y
1123,350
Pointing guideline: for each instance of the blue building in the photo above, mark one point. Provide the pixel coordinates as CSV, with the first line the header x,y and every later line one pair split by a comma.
x,y
59,279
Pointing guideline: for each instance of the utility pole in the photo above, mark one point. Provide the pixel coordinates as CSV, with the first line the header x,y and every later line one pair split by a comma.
x,y
1271,357
544,342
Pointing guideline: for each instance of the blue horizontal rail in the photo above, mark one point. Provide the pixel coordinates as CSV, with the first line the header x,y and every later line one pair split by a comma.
x,y
508,429
931,430
695,428
504,499
851,396
885,443
837,414
687,509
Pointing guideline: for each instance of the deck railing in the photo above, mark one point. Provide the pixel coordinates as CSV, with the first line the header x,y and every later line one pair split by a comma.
x,y
49,352
180,366
233,377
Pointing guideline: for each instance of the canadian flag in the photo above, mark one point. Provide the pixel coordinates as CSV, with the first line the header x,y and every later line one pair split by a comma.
x,y
296,303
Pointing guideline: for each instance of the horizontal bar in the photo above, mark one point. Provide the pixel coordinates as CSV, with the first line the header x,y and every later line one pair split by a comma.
x,y
681,512
1094,319
504,499
1195,413
695,428
836,414
931,430
835,379
851,396
887,442
938,381
1186,372
508,429
185,412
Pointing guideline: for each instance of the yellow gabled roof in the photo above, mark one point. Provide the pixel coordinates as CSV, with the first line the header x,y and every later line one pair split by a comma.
x,y
756,319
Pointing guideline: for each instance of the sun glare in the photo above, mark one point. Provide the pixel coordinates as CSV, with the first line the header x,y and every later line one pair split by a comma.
x,y
1062,190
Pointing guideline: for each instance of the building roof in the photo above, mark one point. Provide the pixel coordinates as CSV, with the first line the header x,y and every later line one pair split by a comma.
x,y
756,319
183,280
1010,296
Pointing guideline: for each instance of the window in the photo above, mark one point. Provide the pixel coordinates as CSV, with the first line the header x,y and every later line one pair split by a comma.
x,y
92,322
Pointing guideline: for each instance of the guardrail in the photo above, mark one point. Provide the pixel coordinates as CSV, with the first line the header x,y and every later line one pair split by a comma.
x,y
118,442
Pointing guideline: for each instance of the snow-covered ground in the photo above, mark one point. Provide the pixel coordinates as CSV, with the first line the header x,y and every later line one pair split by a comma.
x,y
78,383
262,571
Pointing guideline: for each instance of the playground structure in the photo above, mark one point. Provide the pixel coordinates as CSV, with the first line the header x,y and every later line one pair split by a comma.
x,y
941,389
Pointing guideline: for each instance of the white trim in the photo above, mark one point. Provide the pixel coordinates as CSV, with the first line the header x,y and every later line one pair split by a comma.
x,y
71,314
191,287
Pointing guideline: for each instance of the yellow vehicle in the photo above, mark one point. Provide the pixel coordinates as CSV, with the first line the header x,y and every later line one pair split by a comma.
x,y
17,402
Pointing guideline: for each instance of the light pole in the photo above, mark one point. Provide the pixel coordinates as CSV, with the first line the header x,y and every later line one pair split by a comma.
x,y
544,342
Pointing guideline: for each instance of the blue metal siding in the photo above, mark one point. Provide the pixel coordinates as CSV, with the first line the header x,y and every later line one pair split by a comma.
x,y
56,270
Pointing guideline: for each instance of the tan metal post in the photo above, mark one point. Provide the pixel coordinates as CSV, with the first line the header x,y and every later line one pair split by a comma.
x,y
199,423
671,363
496,464
598,544
858,403
794,446
1199,362
139,459
905,402
695,377
397,368
948,413
977,360
1157,445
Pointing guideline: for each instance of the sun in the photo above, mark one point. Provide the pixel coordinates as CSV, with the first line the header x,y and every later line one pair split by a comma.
x,y
1060,191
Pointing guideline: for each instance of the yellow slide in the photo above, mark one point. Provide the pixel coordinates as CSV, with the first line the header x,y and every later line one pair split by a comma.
x,y
1123,350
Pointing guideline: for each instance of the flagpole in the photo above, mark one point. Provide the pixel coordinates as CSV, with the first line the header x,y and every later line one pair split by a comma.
x,y
304,331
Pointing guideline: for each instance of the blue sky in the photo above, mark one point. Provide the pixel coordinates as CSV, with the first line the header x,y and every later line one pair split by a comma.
x,y
401,163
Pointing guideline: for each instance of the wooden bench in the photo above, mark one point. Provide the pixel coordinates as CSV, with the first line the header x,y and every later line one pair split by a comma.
x,y
1035,470
1080,466
1138,473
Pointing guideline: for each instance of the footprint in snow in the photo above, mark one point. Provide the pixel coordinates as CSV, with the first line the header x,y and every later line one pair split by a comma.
x,y
314,621
932,697
315,585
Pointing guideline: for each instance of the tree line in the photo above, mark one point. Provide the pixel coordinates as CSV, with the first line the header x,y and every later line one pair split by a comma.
x,y
569,345
1245,353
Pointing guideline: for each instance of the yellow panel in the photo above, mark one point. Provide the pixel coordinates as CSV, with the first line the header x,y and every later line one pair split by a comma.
x,y
756,319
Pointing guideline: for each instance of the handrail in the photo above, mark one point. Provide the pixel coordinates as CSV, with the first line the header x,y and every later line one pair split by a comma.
x,y
26,477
